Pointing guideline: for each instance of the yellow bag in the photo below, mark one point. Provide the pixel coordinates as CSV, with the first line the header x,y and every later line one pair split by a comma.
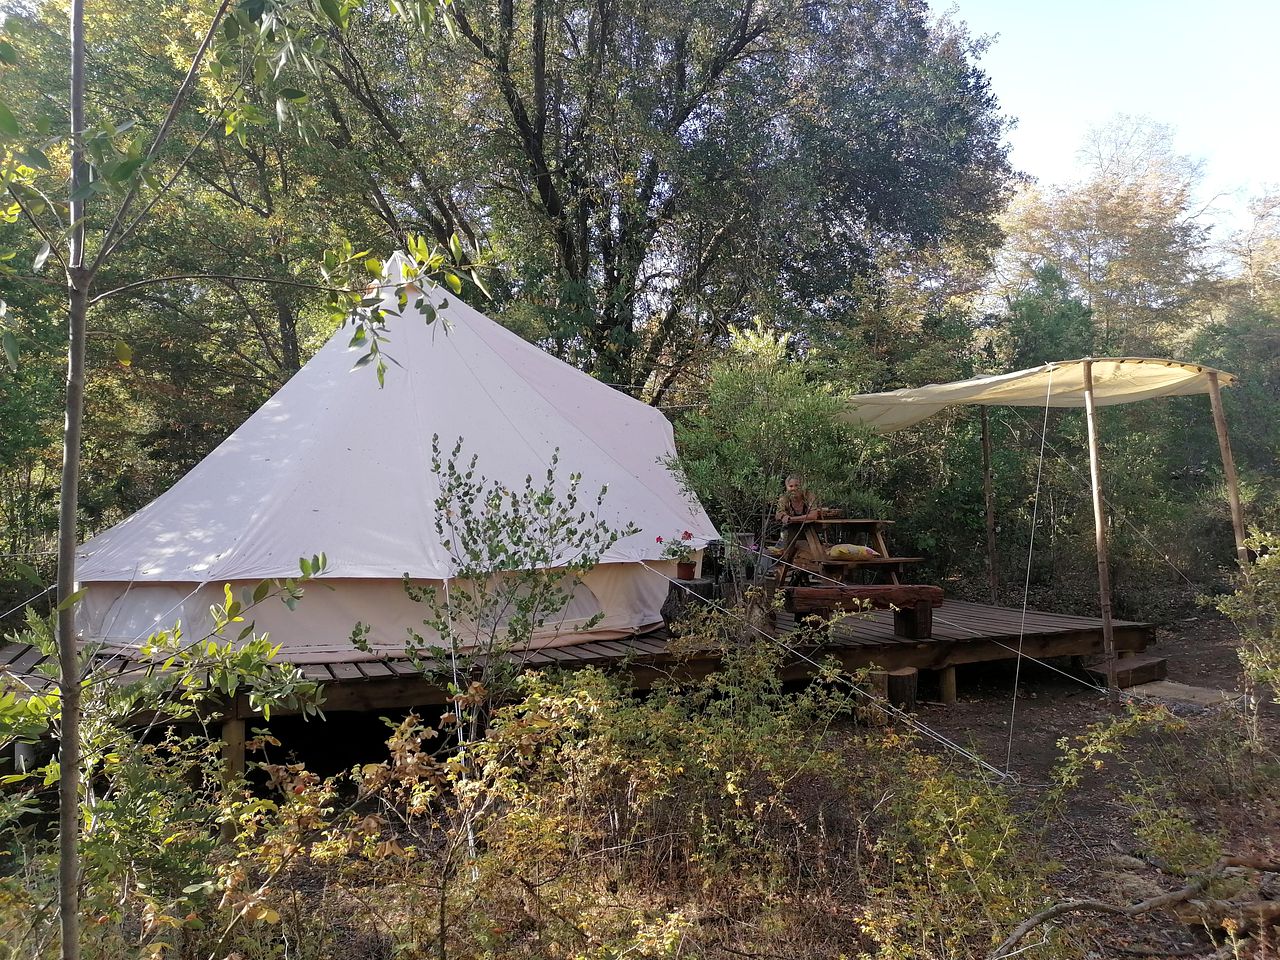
x,y
851,551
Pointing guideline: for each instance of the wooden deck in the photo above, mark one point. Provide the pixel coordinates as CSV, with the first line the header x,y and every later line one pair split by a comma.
x,y
963,633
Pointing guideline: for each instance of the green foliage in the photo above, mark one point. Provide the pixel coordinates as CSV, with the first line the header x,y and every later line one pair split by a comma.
x,y
584,822
1045,322
763,419
1255,610
579,821
518,554
958,850
153,792
1166,834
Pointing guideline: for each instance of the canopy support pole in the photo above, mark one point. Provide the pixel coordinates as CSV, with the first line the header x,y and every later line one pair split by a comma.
x,y
1100,536
1229,471
989,498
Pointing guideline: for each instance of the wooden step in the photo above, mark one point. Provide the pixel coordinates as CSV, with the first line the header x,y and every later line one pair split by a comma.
x,y
1131,671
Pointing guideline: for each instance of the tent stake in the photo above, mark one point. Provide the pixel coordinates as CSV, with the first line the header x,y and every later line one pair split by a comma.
x,y
1229,471
1100,536
989,497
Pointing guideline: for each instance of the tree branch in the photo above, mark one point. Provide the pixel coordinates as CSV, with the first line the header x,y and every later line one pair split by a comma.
x,y
39,228
109,245
225,277
1146,906
162,134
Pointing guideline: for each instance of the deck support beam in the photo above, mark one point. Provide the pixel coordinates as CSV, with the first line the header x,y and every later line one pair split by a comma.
x,y
233,760
947,685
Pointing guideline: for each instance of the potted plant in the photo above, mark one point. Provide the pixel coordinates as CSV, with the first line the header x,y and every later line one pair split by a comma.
x,y
679,549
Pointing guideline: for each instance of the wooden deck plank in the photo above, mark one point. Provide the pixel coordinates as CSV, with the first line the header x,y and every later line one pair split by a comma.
x,y
619,649
595,652
401,668
567,654
962,633
30,658
647,645
346,671
12,651
986,610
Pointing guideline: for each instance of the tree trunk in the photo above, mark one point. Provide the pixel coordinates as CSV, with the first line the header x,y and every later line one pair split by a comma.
x,y
287,326
68,653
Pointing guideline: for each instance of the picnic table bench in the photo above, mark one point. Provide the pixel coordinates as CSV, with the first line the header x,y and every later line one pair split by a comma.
x,y
835,590
912,604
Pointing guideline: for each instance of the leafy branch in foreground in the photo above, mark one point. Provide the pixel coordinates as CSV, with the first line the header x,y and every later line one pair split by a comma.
x,y
1255,610
519,556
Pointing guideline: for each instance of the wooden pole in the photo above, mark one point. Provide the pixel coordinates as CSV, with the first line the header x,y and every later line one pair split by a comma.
x,y
1100,536
1229,471
233,760
989,497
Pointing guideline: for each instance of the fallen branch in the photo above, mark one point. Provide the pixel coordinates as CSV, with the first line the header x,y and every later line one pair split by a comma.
x,y
1265,910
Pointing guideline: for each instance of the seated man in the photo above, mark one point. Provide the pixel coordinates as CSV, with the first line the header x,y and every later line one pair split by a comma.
x,y
796,506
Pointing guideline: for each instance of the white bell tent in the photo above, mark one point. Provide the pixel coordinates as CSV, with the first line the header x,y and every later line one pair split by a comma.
x,y
335,464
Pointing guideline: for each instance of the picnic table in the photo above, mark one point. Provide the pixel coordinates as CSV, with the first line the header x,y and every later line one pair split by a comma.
x,y
810,533
836,585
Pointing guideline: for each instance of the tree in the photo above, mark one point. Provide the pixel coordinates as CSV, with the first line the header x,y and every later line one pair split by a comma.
x,y
1043,323
646,176
87,203
762,420
1128,237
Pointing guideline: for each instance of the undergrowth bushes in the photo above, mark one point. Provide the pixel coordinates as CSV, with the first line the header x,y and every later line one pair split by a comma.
x,y
718,816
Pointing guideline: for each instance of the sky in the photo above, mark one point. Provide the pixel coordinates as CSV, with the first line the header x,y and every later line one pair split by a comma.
x,y
1210,69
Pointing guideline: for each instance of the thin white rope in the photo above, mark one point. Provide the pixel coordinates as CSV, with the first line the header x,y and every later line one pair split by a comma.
x,y
34,596
453,643
1026,582
888,707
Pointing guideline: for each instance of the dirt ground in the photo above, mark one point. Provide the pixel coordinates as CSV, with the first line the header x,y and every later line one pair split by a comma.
x,y
1093,839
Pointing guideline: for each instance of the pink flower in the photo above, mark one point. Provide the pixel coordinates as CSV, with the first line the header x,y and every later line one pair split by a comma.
x,y
686,535
657,539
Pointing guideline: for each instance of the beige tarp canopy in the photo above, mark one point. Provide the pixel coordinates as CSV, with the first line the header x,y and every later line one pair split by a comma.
x,y
1060,384
1086,383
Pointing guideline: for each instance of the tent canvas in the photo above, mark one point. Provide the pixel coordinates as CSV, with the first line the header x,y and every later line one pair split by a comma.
x,y
335,464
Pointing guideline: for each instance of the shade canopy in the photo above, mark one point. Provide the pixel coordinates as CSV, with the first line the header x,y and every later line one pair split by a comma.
x,y
335,464
1060,384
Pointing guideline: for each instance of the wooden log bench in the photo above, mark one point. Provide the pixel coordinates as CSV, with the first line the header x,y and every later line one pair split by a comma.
x,y
912,604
